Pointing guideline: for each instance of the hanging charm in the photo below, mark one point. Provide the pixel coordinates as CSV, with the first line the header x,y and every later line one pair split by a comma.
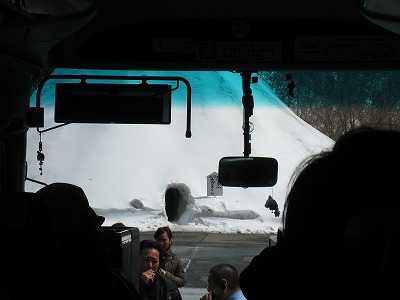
x,y
40,155
272,205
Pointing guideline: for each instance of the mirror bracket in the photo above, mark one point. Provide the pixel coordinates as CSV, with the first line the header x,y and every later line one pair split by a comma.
x,y
248,106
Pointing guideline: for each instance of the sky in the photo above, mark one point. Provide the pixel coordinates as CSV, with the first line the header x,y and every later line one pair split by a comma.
x,y
118,165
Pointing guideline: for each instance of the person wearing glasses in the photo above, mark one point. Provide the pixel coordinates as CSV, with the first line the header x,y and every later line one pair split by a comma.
x,y
223,284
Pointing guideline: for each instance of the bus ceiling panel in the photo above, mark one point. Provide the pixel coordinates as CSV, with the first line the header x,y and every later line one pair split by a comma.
x,y
110,13
194,34
35,10
232,43
115,14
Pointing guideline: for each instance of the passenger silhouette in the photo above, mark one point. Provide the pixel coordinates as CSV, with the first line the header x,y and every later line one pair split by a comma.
x,y
84,252
341,226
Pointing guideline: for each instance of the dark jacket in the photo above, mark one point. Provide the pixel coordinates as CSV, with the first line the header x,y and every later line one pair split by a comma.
x,y
124,289
174,267
162,288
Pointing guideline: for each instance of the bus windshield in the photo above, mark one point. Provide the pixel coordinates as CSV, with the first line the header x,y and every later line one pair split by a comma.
x,y
131,170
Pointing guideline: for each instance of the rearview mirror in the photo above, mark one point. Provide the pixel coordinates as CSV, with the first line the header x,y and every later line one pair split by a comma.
x,y
248,171
381,9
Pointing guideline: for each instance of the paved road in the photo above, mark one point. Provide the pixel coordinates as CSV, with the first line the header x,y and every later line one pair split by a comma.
x,y
200,251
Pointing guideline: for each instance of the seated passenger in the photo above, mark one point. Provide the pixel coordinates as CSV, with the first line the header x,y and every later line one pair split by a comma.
x,y
152,284
341,226
171,264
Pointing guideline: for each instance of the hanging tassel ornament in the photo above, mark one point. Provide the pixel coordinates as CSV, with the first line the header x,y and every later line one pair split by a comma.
x,y
40,155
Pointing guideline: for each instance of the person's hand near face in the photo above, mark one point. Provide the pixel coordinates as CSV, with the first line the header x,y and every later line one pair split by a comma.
x,y
207,296
149,262
213,291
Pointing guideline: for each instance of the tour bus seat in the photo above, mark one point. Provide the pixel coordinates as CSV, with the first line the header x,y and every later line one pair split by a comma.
x,y
274,238
30,259
123,245
88,270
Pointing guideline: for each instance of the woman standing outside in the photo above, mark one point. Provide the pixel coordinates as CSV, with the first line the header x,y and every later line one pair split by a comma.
x,y
171,265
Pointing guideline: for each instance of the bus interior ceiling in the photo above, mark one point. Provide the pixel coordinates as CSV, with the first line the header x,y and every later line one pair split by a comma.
x,y
185,34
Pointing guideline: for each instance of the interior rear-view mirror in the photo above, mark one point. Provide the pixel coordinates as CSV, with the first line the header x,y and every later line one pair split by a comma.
x,y
248,171
381,9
